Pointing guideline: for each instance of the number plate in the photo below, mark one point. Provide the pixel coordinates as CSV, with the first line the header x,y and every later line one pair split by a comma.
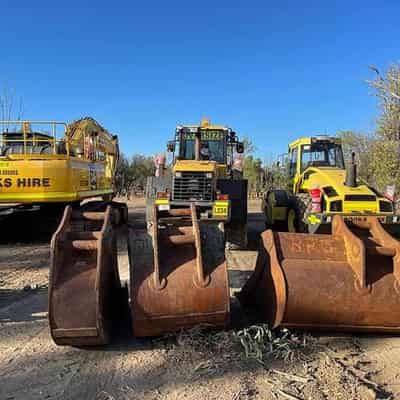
x,y
163,207
356,219
221,209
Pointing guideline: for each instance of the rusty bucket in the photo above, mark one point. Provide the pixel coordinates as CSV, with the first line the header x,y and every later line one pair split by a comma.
x,y
174,281
84,279
348,280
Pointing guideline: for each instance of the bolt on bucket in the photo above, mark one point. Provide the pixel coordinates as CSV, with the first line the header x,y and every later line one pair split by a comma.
x,y
84,281
176,279
348,280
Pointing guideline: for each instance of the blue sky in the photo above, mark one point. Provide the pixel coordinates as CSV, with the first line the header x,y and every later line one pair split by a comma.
x,y
271,70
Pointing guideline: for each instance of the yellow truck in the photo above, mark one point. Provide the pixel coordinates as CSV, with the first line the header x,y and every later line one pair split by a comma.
x,y
54,163
319,187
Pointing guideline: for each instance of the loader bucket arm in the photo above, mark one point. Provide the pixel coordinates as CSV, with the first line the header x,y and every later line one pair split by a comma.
x,y
84,279
348,280
175,283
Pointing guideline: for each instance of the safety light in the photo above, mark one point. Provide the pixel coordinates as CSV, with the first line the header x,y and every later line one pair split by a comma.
x,y
222,197
178,174
315,194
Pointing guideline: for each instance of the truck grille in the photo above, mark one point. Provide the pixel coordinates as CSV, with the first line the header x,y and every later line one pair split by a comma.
x,y
192,186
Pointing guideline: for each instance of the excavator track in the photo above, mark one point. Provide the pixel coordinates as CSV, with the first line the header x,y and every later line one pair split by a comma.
x,y
84,281
348,280
175,282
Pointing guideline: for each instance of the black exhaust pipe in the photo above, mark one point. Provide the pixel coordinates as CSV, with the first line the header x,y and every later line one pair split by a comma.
x,y
351,172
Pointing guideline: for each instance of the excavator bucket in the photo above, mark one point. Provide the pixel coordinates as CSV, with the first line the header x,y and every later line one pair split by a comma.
x,y
176,280
84,280
348,280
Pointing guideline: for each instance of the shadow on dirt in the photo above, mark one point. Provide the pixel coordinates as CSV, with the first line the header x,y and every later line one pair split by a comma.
x,y
28,227
18,305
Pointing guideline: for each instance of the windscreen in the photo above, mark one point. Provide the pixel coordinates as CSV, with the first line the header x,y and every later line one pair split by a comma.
x,y
212,146
322,154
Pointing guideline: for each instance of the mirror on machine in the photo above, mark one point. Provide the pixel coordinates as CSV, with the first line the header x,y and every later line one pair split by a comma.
x,y
240,147
171,146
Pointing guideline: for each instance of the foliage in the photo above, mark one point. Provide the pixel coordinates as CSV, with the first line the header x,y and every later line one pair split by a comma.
x,y
276,176
253,172
385,159
249,147
132,173
362,145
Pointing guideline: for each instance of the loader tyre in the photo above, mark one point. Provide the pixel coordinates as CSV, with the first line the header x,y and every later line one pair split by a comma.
x,y
300,207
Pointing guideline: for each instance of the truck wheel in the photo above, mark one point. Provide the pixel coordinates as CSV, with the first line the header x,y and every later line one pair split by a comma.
x,y
300,207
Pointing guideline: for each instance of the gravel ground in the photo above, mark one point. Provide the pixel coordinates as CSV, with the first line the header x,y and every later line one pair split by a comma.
x,y
192,365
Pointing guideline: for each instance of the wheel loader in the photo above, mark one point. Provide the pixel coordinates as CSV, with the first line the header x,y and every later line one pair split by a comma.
x,y
204,173
189,212
345,279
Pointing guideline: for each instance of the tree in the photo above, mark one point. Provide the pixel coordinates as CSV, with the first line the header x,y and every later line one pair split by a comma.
x,y
253,172
248,145
362,145
132,173
385,160
11,107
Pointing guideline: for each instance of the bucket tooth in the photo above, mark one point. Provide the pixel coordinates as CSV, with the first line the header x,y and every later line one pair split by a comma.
x,y
171,286
84,279
348,280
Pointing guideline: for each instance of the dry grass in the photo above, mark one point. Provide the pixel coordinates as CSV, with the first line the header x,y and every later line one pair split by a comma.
x,y
256,342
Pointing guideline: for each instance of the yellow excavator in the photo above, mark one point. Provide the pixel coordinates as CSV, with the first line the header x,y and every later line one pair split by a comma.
x,y
52,163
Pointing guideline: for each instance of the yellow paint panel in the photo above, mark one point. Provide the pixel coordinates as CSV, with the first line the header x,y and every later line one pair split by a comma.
x,y
51,180
162,201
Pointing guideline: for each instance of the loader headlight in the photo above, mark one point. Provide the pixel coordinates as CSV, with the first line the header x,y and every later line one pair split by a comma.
x,y
209,175
385,206
178,174
336,206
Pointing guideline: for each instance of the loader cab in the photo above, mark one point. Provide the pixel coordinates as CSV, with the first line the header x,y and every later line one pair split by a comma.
x,y
318,151
216,144
212,144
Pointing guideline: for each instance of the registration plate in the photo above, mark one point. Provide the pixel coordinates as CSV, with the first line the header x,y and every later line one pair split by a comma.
x,y
358,219
221,209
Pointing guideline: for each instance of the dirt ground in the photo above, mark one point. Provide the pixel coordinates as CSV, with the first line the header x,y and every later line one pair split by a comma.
x,y
191,365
